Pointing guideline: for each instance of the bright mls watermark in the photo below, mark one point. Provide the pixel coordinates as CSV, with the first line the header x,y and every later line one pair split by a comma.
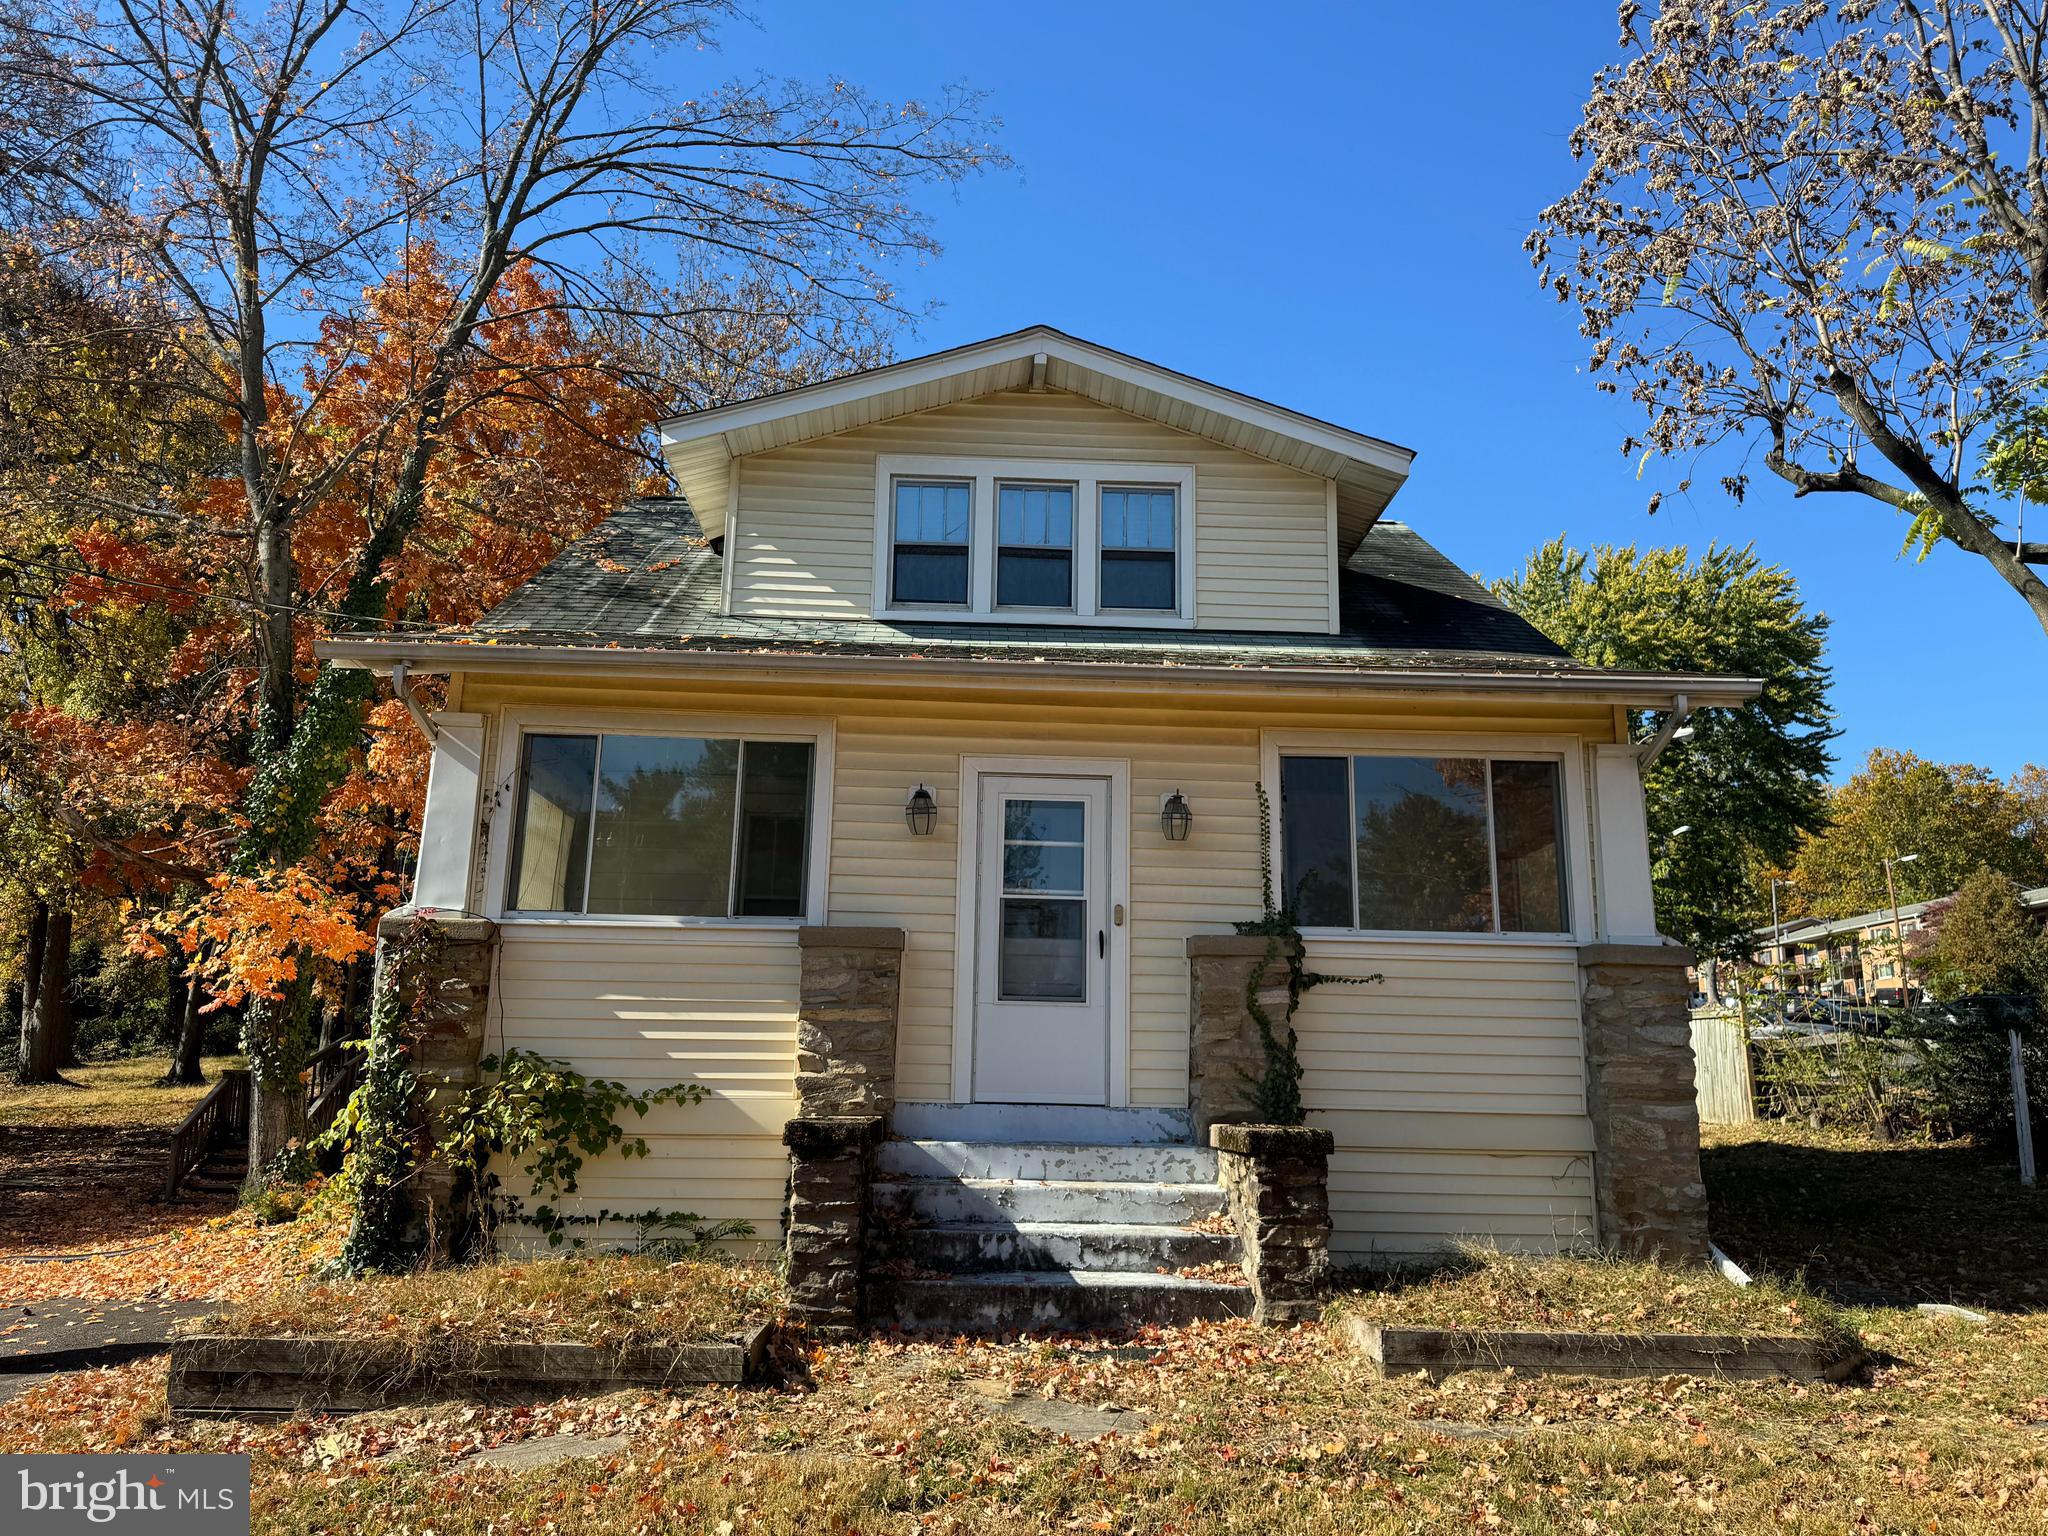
x,y
162,1495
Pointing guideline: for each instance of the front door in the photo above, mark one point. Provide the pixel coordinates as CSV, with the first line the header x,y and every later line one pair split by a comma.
x,y
1041,925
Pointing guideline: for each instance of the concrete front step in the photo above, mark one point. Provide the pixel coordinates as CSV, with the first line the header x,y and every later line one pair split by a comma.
x,y
1037,1301
1041,1160
978,1248
1005,1202
1041,1122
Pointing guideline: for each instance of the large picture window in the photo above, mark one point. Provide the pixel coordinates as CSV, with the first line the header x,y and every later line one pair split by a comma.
x,y
661,826
1466,844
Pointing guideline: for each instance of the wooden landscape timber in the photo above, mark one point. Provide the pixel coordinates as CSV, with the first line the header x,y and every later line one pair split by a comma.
x,y
1441,1352
226,1376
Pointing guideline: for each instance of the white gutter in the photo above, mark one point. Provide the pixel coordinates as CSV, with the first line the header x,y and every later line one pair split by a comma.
x,y
1642,689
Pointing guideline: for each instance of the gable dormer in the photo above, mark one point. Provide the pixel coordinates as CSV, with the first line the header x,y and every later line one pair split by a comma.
x,y
1033,479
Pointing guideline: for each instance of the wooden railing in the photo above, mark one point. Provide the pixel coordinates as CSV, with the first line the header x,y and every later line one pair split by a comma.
x,y
331,1074
219,1119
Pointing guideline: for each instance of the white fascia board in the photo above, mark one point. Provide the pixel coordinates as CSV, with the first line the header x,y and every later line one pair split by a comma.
x,y
717,420
1637,689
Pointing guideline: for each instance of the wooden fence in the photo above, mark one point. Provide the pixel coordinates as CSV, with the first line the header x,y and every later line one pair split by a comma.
x,y
1727,1095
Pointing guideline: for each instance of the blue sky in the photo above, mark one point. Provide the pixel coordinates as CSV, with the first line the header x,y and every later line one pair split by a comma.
x,y
1324,206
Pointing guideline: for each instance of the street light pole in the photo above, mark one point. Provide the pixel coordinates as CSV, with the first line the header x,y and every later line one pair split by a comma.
x,y
1777,932
1891,886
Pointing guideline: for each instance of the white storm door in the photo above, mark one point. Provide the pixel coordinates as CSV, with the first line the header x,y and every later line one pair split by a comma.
x,y
1041,925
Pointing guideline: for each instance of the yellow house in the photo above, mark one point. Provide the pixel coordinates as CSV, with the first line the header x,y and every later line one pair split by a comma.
x,y
927,729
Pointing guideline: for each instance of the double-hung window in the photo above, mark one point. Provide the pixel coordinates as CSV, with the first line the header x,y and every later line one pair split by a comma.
x,y
1049,540
1034,546
1453,844
619,824
1140,525
932,557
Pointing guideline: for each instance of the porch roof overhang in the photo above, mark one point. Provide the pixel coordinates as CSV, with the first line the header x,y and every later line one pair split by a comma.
x,y
701,445
1641,690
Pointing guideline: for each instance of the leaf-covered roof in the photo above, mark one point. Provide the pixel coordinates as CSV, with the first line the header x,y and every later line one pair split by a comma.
x,y
647,578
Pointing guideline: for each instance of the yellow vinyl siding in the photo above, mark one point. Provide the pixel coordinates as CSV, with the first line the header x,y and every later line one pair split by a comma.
x,y
804,541
1388,1203
1456,1090
1457,1027
648,1009
1464,1062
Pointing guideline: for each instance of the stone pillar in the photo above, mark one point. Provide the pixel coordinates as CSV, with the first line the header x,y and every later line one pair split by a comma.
x,y
1277,1181
846,1021
1639,1093
831,1160
444,983
1225,1054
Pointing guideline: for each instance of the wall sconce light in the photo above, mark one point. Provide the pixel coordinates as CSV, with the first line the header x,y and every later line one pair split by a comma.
x,y
1175,819
921,811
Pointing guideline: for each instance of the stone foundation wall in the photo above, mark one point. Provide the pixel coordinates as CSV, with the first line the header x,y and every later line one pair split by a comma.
x,y
831,1162
449,976
1225,1054
1639,1092
1277,1181
846,1020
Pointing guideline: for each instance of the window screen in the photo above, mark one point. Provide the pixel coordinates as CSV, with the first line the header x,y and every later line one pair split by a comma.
x,y
930,558
1138,533
1035,546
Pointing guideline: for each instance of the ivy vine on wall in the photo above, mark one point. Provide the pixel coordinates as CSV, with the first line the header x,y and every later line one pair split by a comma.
x,y
550,1118
1275,1093
536,1111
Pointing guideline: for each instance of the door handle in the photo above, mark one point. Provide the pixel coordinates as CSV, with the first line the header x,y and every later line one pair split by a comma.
x,y
1101,945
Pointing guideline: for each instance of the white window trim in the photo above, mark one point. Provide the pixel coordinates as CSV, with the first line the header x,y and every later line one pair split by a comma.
x,y
517,723
1565,750
1087,478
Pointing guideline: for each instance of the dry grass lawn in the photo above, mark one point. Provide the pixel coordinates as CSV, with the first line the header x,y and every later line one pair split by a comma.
x,y
81,1171
106,1094
1231,1428
614,1301
1484,1290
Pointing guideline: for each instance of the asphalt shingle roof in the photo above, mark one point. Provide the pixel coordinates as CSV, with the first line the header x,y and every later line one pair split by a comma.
x,y
647,578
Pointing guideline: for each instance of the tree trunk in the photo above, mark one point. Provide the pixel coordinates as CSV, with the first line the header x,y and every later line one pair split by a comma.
x,y
188,1026
276,1038
32,974
48,1029
277,1118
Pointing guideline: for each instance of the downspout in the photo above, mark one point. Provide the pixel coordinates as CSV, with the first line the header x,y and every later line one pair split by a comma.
x,y
1648,752
420,717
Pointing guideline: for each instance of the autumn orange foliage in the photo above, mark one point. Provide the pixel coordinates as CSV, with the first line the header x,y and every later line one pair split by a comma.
x,y
539,439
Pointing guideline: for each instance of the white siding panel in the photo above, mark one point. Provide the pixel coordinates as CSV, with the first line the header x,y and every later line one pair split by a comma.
x,y
805,540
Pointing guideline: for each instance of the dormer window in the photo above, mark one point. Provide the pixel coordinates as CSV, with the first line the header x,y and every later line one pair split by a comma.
x,y
1034,541
930,558
1034,546
1139,528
